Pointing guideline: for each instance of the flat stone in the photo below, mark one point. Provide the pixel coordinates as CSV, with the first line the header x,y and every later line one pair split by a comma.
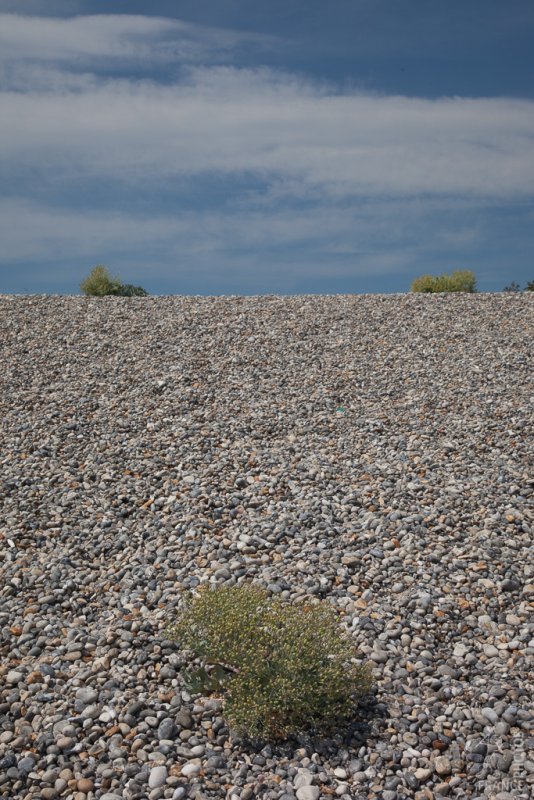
x,y
190,770
423,774
308,793
303,778
87,695
157,777
442,766
13,676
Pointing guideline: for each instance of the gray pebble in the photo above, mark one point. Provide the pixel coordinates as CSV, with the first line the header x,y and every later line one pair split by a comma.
x,y
308,793
158,777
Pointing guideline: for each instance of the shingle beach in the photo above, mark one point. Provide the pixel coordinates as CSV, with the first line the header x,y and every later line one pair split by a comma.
x,y
372,451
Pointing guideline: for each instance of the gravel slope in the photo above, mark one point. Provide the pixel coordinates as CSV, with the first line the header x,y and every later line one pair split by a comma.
x,y
372,450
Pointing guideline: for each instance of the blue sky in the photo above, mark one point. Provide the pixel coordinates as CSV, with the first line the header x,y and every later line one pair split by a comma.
x,y
239,147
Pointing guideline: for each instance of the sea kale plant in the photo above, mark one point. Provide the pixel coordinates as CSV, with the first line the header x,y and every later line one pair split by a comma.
x,y
99,283
459,281
283,669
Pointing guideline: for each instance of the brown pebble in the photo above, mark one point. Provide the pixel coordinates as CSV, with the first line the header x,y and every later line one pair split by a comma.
x,y
437,744
85,785
65,742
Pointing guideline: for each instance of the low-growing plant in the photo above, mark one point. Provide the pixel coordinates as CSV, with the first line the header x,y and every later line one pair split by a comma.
x,y
512,287
128,290
515,287
426,284
283,669
459,281
99,283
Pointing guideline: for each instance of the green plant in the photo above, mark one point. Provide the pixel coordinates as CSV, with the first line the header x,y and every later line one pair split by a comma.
x,y
99,283
530,286
425,284
282,668
128,290
459,281
512,287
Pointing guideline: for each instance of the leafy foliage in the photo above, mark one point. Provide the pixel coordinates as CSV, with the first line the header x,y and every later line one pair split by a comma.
x,y
128,290
283,668
512,287
515,287
100,283
425,284
459,281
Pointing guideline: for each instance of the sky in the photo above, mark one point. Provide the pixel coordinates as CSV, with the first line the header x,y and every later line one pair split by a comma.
x,y
282,147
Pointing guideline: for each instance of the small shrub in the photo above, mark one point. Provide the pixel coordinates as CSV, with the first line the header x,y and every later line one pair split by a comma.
x,y
426,283
283,668
99,283
512,287
128,290
459,281
529,287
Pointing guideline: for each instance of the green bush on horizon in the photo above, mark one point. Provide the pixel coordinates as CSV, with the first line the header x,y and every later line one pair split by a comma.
x,y
128,290
515,287
283,669
99,283
459,281
512,287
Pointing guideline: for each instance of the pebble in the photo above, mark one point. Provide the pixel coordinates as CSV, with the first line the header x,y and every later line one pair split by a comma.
x,y
166,729
158,777
190,770
423,774
14,677
442,765
26,765
365,450
65,742
308,793
87,695
304,778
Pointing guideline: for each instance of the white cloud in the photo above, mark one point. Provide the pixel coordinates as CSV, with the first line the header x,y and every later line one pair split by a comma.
x,y
100,37
29,229
237,121
41,7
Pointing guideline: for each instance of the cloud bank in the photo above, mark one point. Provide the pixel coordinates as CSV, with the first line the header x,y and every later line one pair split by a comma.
x,y
227,120
292,154
105,38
